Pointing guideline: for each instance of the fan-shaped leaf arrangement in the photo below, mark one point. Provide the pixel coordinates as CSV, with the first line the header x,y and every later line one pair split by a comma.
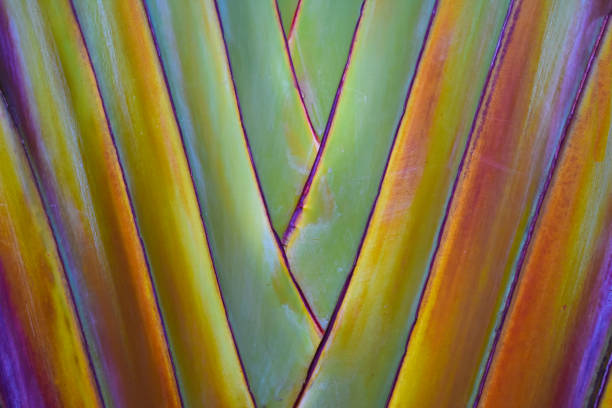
x,y
351,203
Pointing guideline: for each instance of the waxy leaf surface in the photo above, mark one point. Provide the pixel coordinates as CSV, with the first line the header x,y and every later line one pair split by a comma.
x,y
559,323
274,332
363,350
43,357
319,44
149,145
53,91
330,221
517,133
281,139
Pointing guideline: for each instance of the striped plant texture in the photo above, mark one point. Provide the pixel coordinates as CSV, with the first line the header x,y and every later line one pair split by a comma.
x,y
305,203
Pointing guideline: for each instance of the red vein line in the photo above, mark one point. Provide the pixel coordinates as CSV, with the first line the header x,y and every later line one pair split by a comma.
x,y
130,201
492,80
71,298
296,83
259,189
347,282
313,170
536,215
295,17
197,195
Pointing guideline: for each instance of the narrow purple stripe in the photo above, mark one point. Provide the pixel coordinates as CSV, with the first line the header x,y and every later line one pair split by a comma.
x,y
259,189
129,197
488,79
295,80
313,170
314,136
67,286
347,282
296,13
604,383
536,215
182,138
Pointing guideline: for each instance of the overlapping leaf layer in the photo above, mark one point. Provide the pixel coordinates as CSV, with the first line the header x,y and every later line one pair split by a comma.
x,y
351,203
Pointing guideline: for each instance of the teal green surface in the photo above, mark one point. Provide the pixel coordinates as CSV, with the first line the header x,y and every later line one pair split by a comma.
x,y
281,139
366,343
164,199
274,332
319,44
287,9
322,248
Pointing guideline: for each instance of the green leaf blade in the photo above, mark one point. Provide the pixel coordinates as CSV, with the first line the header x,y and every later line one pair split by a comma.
x,y
274,332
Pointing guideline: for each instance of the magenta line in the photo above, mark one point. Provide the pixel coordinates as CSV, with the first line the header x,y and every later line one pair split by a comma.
x,y
212,258
130,201
294,76
488,79
313,170
71,299
259,189
297,285
313,135
536,215
294,19
347,282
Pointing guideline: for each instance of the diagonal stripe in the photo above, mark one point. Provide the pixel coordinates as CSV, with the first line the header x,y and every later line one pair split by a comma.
x,y
293,74
138,108
281,138
563,262
603,398
297,212
320,43
288,9
72,154
43,356
346,178
364,348
506,167
198,199
274,332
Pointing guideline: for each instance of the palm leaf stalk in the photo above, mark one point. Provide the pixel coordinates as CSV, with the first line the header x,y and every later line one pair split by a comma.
x,y
503,179
560,305
149,145
305,203
43,357
327,226
53,93
280,135
261,298
319,43
392,263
